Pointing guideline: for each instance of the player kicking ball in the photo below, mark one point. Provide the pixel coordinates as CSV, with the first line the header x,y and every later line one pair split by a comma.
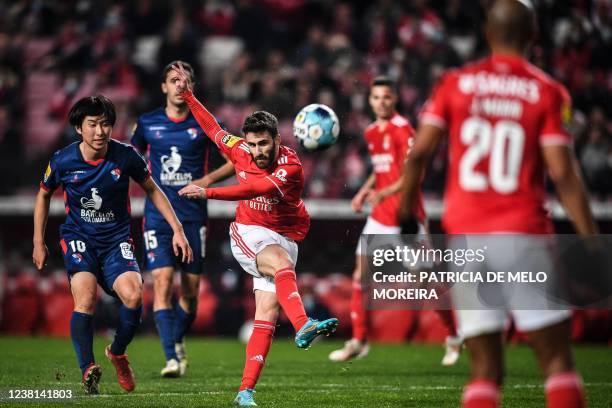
x,y
178,151
270,220
95,238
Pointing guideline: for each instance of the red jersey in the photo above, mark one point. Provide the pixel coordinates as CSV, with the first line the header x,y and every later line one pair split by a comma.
x,y
499,112
269,197
280,208
388,147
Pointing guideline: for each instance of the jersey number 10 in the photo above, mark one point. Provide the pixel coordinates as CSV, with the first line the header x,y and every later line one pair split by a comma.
x,y
502,143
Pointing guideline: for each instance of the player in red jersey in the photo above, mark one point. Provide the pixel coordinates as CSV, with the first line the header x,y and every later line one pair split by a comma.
x,y
505,121
389,139
270,220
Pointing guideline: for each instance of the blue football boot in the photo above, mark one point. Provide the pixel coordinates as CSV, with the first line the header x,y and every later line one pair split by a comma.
x,y
245,398
313,329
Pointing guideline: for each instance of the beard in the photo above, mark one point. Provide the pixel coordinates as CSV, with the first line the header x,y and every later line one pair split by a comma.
x,y
264,161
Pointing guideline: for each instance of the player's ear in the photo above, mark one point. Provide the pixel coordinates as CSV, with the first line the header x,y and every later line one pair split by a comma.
x,y
164,88
79,130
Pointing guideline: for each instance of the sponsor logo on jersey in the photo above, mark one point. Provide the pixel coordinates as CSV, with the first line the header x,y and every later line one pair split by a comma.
x,y
91,206
382,162
157,128
242,174
230,140
262,203
116,173
193,133
170,175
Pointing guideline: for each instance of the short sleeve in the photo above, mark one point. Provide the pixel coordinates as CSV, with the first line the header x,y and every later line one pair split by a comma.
x,y
138,137
557,117
436,108
136,166
404,140
51,178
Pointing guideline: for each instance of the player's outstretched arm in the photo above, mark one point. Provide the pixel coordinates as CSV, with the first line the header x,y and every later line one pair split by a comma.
x,y
41,214
232,193
564,173
427,140
220,174
205,119
159,199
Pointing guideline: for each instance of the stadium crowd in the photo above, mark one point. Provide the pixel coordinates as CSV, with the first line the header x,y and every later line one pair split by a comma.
x,y
278,55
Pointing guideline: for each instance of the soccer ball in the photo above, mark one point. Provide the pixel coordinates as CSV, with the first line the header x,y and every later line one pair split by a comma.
x,y
316,126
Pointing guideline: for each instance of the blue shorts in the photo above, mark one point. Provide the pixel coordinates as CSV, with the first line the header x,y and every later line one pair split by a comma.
x,y
157,237
106,262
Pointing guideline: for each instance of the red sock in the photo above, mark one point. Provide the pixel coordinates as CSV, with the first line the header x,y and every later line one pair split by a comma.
x,y
448,320
359,316
480,394
564,390
289,297
256,352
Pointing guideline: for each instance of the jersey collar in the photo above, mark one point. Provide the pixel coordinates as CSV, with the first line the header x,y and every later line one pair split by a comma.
x,y
94,163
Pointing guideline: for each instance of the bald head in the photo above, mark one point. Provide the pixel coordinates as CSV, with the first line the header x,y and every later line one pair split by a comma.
x,y
511,25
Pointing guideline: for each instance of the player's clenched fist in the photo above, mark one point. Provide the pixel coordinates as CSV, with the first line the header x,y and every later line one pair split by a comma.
x,y
192,191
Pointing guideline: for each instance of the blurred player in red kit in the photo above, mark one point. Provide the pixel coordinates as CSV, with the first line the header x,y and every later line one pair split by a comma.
x,y
505,121
270,219
389,139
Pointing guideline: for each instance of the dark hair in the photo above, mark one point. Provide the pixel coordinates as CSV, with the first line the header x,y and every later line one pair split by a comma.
x,y
98,105
187,66
261,121
384,80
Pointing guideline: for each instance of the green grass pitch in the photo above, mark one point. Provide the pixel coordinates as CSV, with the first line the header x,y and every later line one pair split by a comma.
x,y
391,376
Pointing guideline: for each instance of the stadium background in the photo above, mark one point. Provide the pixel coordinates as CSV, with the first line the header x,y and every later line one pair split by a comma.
x,y
278,55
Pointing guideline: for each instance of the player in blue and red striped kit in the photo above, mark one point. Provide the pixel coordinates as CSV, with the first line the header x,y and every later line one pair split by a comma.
x,y
95,238
179,153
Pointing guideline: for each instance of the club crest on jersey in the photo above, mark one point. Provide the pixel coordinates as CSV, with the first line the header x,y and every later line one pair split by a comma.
x,y
78,258
116,173
170,175
281,174
91,206
151,256
193,133
242,174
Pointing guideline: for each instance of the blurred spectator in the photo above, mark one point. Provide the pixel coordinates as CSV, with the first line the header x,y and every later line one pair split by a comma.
x,y
278,55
